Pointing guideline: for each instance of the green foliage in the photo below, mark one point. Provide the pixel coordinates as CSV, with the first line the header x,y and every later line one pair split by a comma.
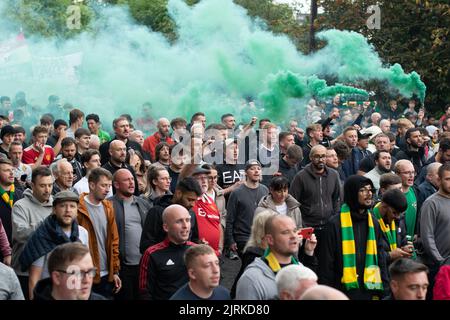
x,y
46,18
413,34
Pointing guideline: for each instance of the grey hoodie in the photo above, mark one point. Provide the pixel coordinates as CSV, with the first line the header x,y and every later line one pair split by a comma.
x,y
257,282
27,214
293,208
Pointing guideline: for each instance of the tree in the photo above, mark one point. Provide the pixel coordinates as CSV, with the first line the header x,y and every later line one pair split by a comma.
x,y
413,33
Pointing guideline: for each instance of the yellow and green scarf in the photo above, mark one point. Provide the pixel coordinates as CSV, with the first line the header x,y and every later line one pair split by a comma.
x,y
389,231
372,274
273,262
8,197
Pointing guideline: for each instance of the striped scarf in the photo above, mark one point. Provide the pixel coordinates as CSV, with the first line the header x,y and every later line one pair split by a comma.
x,y
8,197
273,262
389,231
372,275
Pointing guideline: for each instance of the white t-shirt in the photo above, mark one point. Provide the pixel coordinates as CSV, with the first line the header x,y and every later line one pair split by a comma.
x,y
282,209
82,186
42,261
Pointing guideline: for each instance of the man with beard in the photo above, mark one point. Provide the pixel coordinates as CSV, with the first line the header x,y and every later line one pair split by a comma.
x,y
96,214
381,141
258,280
118,154
58,228
382,165
442,156
352,259
241,207
162,135
27,214
69,152
130,212
318,190
315,136
121,128
414,150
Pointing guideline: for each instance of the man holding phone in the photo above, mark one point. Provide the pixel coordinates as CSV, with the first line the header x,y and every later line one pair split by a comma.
x,y
39,153
258,280
22,171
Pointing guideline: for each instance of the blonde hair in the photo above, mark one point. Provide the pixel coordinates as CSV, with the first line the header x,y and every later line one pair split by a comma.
x,y
257,233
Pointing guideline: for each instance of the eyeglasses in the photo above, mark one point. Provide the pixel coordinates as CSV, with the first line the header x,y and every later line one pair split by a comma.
x,y
81,274
367,190
212,178
409,173
319,157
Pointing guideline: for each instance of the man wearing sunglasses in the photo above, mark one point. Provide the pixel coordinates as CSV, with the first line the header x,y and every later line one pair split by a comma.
x,y
71,275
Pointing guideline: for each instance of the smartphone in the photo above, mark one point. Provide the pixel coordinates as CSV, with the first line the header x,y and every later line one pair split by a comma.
x,y
306,233
23,177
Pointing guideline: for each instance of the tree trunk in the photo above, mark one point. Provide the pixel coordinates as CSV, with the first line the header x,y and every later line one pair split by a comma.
x,y
312,33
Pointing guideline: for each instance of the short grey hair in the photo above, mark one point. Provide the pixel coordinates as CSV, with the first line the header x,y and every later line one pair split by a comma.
x,y
287,278
55,166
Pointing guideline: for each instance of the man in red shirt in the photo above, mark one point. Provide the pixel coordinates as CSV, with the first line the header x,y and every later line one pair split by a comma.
x,y
207,214
39,153
162,135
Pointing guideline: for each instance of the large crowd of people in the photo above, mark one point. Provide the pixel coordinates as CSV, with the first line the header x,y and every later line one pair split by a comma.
x,y
350,202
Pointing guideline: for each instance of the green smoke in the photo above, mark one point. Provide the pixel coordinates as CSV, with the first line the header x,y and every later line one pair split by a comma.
x,y
220,56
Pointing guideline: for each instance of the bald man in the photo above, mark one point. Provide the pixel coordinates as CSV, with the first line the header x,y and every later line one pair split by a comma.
x,y
162,268
130,212
405,170
118,154
318,190
321,292
162,135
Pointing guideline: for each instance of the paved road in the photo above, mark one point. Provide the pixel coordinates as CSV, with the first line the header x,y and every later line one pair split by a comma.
x,y
229,269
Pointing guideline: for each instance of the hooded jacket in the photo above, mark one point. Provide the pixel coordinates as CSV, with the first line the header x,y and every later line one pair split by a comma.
x,y
331,258
43,291
112,238
27,215
318,195
46,237
293,208
257,282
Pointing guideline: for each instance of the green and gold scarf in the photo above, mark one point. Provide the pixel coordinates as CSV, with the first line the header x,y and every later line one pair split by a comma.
x,y
273,262
8,197
372,274
389,231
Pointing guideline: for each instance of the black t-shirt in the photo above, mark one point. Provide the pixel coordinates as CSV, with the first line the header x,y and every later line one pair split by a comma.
x,y
229,174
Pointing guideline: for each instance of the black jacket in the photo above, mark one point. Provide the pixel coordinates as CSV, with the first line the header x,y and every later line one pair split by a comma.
x,y
104,149
112,168
287,171
416,157
331,260
424,190
162,270
318,195
43,291
153,232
